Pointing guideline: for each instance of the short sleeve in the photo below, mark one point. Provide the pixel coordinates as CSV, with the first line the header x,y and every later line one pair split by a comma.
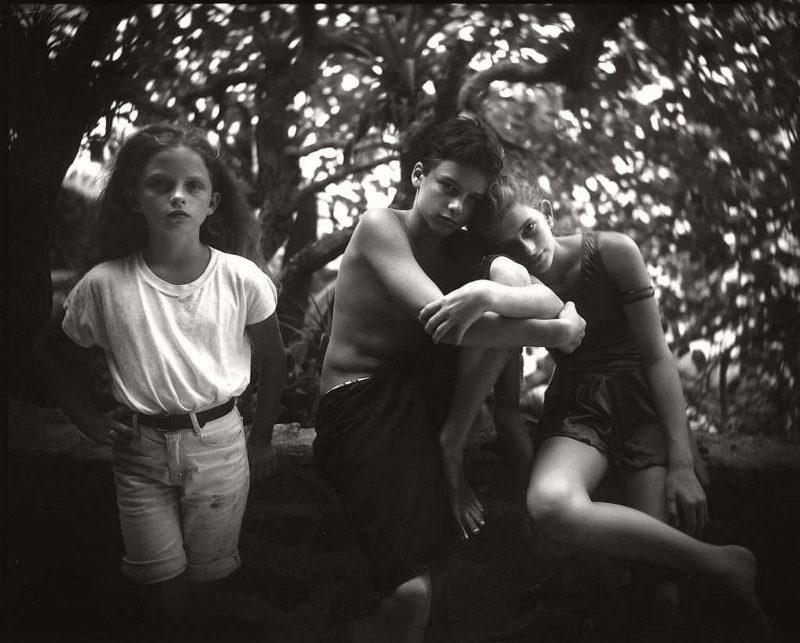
x,y
83,321
261,295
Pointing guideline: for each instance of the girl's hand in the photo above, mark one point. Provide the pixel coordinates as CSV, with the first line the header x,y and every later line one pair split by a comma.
x,y
263,459
576,329
456,311
105,428
686,501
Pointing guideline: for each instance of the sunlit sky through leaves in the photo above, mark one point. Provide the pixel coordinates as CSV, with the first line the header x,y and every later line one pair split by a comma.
x,y
678,147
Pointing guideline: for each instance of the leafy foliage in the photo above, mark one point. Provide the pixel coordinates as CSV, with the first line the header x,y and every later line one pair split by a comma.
x,y
676,124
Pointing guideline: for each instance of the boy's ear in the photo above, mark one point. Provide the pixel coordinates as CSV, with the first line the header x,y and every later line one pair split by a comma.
x,y
416,174
213,203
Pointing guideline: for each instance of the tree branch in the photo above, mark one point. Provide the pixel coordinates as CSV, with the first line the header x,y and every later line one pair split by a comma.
x,y
93,34
593,23
531,73
447,90
218,85
341,42
317,186
336,143
316,255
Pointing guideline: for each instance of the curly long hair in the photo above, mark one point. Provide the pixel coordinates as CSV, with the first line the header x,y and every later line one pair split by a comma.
x,y
120,231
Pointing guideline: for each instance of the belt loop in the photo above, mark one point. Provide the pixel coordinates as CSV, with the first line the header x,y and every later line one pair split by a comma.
x,y
196,426
135,420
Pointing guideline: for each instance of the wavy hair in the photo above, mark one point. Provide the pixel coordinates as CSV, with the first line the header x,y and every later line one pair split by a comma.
x,y
506,191
466,140
120,231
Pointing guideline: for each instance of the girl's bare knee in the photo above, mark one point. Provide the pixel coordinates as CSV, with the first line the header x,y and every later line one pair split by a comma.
x,y
412,599
509,273
554,510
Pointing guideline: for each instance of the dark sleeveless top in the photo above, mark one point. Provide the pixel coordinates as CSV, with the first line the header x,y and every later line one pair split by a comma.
x,y
599,394
608,345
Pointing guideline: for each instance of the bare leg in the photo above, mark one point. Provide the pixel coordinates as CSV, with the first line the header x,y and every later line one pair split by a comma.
x,y
644,490
514,439
477,370
402,616
560,506
205,605
166,609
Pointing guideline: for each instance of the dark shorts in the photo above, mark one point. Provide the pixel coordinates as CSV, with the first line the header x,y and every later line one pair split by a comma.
x,y
613,412
377,446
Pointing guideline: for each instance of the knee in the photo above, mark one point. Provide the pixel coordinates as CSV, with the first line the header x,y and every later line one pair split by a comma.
x,y
509,273
554,509
412,600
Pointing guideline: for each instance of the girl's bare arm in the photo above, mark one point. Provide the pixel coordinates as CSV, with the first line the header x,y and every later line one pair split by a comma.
x,y
54,350
459,309
271,360
624,263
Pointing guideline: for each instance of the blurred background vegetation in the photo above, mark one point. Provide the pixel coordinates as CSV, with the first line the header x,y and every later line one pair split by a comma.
x,y
676,124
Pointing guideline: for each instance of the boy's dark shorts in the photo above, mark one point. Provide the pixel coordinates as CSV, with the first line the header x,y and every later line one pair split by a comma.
x,y
377,446
613,412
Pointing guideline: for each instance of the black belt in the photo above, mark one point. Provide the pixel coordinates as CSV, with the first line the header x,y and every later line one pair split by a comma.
x,y
169,423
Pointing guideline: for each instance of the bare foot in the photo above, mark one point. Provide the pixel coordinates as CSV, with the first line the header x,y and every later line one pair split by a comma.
x,y
737,573
467,509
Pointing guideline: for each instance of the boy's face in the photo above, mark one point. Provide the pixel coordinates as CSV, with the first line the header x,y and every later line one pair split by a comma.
x,y
524,235
448,194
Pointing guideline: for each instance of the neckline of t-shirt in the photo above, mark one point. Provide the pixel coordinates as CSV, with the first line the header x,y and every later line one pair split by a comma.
x,y
176,290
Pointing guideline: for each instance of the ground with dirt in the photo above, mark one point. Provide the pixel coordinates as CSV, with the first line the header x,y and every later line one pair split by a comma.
x,y
63,548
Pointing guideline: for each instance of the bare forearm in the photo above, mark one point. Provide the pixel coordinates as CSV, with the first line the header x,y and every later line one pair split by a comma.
x,y
493,331
271,379
535,301
665,383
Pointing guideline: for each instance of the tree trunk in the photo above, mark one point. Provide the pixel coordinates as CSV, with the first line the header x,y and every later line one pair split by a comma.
x,y
294,296
54,103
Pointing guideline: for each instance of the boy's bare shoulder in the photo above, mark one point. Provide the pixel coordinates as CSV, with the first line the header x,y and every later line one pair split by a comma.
x,y
379,219
378,226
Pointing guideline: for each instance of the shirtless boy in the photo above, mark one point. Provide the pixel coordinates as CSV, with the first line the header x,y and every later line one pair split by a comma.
x,y
387,386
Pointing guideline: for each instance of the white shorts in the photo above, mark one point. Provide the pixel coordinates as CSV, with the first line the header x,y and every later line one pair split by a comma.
x,y
181,498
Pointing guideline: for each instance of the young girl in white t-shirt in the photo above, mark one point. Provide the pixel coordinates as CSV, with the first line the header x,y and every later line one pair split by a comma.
x,y
175,301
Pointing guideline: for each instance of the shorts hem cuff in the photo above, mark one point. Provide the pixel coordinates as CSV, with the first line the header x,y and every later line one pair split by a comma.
x,y
214,570
158,571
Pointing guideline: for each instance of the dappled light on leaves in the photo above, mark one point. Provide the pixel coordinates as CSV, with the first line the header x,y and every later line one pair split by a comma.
x,y
677,124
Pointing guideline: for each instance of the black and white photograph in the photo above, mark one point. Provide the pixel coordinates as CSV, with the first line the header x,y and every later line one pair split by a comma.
x,y
402,323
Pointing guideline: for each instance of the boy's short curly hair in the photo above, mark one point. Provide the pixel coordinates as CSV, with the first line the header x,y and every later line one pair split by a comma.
x,y
466,140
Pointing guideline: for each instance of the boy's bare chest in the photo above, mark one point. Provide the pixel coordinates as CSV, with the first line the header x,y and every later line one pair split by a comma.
x,y
449,270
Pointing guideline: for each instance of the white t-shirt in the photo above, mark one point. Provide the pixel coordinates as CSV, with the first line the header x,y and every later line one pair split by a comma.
x,y
171,348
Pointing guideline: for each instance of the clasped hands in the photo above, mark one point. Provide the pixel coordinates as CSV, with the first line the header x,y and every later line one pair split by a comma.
x,y
456,311
459,309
